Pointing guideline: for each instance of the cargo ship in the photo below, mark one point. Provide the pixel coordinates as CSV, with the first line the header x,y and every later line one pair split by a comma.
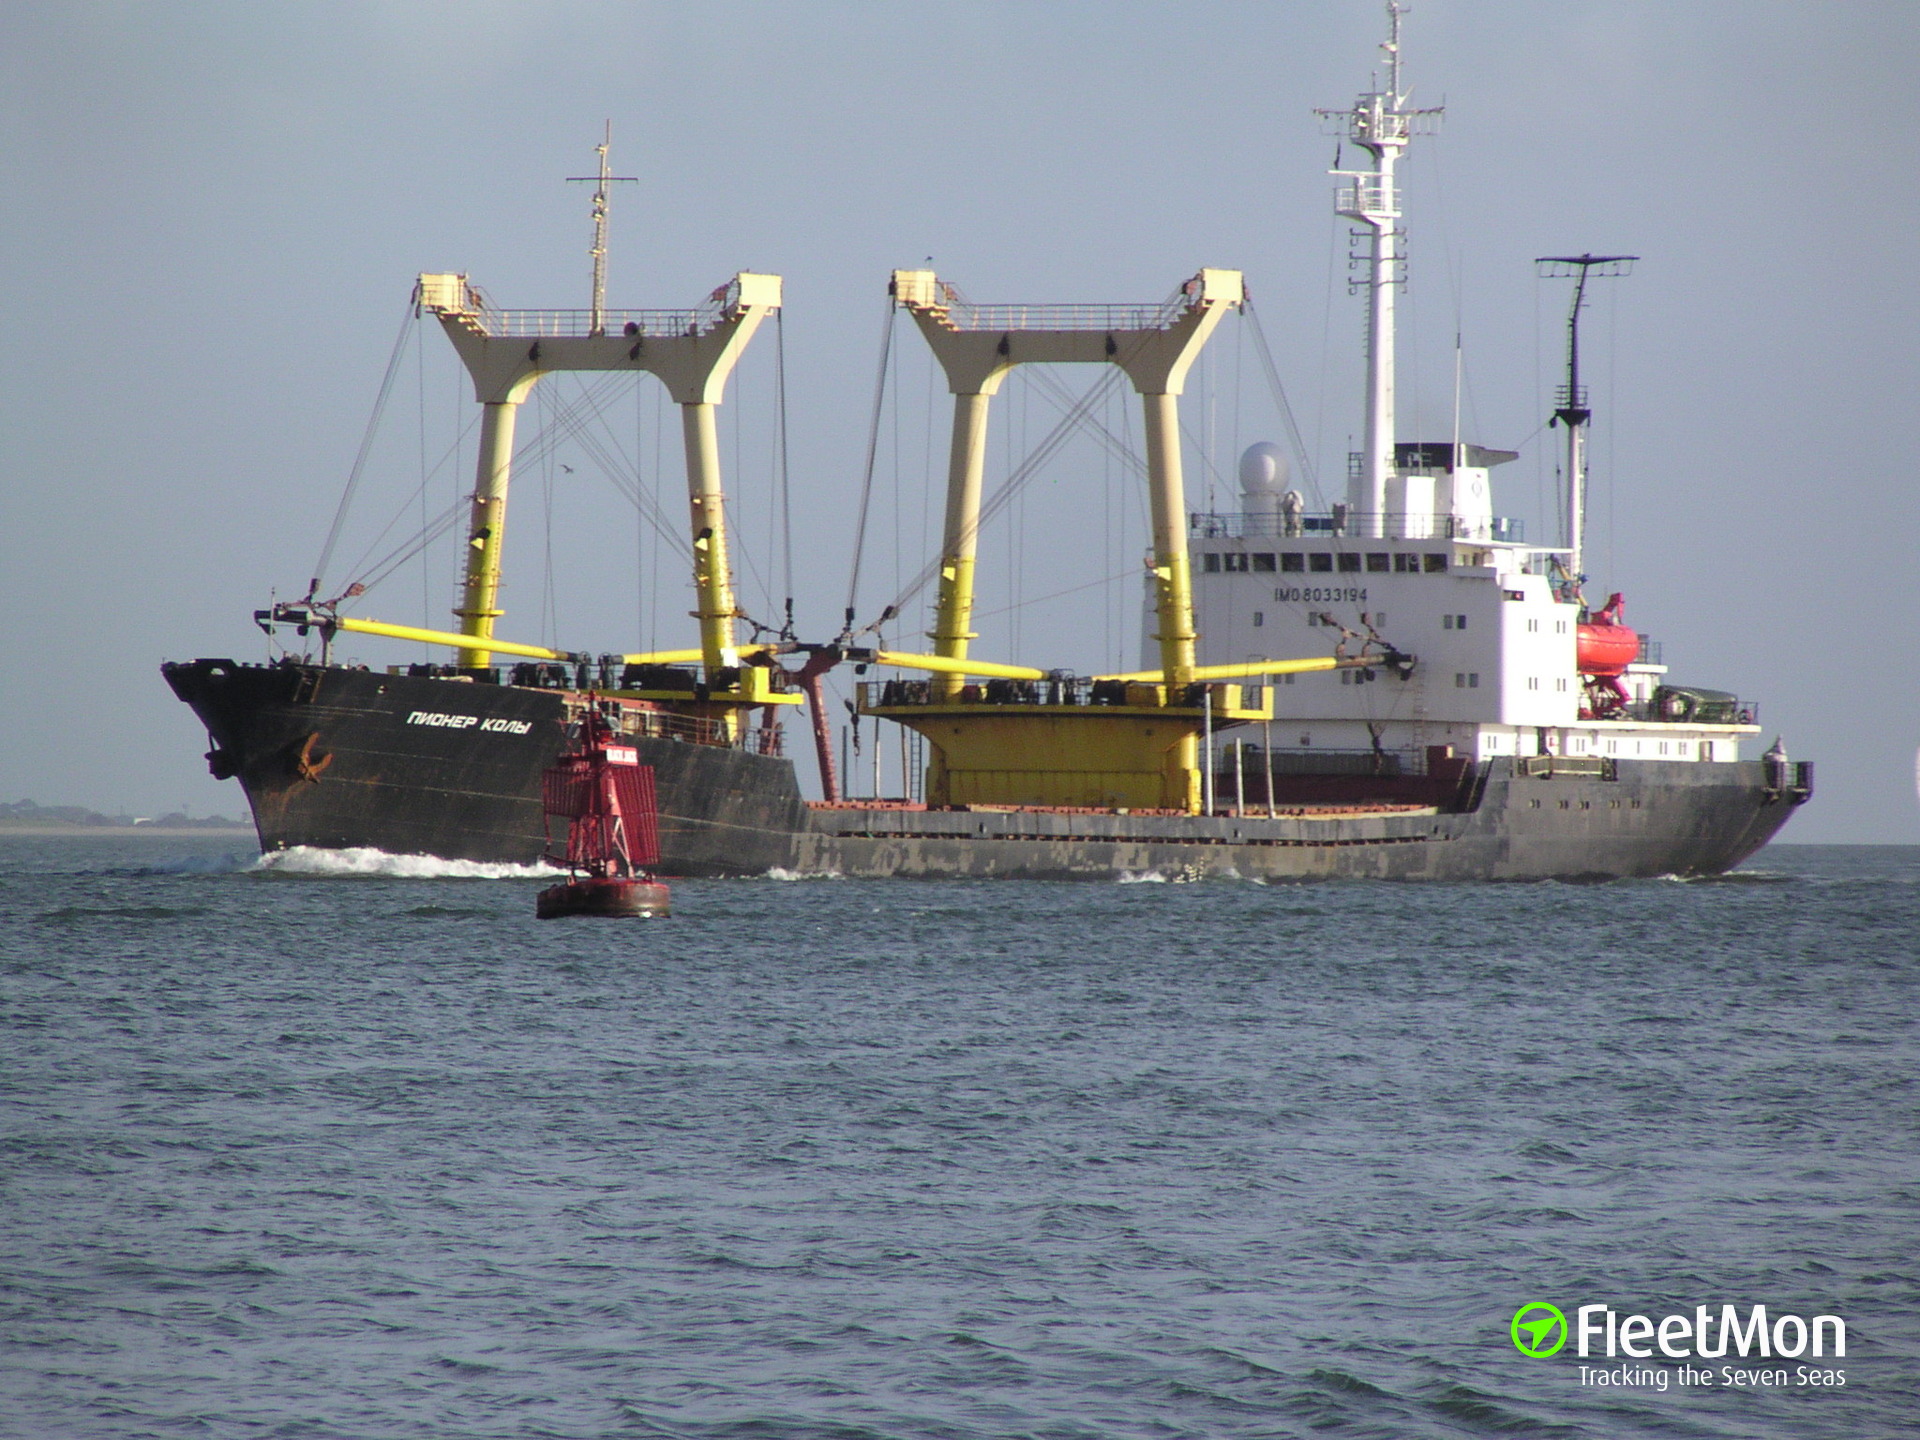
x,y
1395,685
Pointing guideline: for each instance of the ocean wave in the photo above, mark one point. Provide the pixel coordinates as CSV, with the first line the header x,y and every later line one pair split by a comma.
x,y
361,862
123,912
230,863
780,872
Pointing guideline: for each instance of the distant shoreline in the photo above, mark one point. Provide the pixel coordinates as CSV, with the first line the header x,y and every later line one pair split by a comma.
x,y
54,827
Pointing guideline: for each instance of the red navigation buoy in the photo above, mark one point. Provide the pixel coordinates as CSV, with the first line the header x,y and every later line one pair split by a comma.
x,y
606,797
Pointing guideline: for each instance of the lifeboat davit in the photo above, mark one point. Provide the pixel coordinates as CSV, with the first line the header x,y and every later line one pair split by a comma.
x,y
605,795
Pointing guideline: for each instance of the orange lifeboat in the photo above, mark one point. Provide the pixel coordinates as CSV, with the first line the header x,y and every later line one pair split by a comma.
x,y
1606,647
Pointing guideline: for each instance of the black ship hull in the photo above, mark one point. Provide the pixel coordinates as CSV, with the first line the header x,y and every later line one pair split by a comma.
x,y
339,758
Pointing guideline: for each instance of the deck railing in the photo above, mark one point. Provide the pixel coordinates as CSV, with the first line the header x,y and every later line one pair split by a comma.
x,y
960,313
1353,524
556,324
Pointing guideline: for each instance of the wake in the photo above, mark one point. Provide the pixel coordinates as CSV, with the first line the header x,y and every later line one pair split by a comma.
x,y
362,862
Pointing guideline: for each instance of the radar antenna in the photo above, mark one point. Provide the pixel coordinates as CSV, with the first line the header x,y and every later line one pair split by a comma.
x,y
597,324
1570,404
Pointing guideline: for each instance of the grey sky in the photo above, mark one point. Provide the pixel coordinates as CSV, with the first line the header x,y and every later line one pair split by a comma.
x,y
216,211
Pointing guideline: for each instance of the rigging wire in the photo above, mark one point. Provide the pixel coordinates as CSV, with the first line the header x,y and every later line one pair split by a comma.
x,y
781,473
640,521
1055,595
420,385
1539,374
739,547
1054,389
1107,547
381,569
1610,470
1036,460
407,322
893,383
574,424
926,461
1146,528
549,588
1239,383
1016,528
873,444
1213,471
1407,324
1280,399
452,453
1326,351
655,532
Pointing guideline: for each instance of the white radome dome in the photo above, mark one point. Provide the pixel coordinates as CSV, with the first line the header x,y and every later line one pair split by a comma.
x,y
1264,469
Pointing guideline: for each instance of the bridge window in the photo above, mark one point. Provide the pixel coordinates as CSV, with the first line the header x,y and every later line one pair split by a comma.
x,y
1350,564
1292,561
1262,563
1210,562
1435,564
1377,564
1235,563
1320,562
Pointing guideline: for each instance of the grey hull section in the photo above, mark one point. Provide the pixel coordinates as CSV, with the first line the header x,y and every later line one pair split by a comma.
x,y
1651,818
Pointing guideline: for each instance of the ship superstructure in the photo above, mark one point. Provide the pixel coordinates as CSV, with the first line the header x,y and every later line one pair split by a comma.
x,y
1514,662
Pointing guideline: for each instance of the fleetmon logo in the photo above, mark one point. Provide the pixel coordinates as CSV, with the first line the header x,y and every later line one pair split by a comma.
x,y
1538,1330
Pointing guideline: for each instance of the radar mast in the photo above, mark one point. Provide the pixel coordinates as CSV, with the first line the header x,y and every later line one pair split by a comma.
x,y
1380,123
597,319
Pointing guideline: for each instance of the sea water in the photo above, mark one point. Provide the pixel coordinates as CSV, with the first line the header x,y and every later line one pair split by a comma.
x,y
355,1147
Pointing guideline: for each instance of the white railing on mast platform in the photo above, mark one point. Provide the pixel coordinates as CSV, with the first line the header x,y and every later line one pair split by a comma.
x,y
1370,196
556,324
959,313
